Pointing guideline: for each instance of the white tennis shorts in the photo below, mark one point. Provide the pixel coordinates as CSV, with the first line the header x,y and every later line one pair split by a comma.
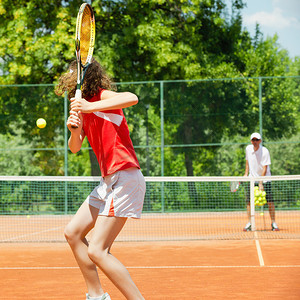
x,y
120,194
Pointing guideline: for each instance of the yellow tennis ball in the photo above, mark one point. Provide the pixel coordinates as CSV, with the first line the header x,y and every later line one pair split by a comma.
x,y
41,123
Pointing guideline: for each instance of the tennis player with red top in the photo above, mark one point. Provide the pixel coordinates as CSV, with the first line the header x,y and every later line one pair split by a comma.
x,y
120,194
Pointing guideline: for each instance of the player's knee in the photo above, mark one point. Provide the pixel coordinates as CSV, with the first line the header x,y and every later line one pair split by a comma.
x,y
70,234
96,254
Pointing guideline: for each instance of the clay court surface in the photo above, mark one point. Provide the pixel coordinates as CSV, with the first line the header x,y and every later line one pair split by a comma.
x,y
230,269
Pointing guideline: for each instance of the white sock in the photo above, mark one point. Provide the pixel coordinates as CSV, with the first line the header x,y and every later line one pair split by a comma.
x,y
95,298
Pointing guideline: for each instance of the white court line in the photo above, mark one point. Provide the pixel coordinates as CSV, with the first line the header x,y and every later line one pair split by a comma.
x,y
153,267
32,234
258,249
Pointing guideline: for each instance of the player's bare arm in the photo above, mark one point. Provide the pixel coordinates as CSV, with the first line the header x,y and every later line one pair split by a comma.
x,y
246,168
264,172
74,124
109,100
75,141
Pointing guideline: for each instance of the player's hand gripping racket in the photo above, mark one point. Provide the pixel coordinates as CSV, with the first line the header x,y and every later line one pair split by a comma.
x,y
234,186
84,43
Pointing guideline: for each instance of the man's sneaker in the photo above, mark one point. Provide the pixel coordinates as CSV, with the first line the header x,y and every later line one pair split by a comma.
x,y
103,297
247,227
274,226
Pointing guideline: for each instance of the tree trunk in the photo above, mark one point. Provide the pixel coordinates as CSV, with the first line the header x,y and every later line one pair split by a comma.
x,y
193,195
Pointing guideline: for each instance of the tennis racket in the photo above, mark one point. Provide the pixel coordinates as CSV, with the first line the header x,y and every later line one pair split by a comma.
x,y
84,43
234,186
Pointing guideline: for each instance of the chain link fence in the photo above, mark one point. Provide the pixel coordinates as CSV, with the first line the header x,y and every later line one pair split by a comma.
x,y
178,128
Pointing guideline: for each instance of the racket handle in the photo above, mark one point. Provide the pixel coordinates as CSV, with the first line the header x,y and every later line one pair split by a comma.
x,y
78,94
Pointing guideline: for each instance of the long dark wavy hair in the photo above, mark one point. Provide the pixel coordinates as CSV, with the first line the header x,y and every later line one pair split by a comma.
x,y
94,79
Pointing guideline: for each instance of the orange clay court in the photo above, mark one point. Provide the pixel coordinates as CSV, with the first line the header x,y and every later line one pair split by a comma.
x,y
244,266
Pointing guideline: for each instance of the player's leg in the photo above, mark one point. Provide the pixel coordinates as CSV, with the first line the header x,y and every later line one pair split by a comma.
x,y
271,205
272,211
105,231
272,216
75,233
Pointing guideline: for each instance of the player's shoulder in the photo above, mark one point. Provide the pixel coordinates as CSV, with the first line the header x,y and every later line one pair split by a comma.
x,y
265,150
106,94
249,148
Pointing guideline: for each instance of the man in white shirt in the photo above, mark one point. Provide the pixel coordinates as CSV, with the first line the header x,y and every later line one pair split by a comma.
x,y
258,163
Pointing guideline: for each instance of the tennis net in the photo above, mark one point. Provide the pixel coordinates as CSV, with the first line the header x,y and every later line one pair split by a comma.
x,y
36,209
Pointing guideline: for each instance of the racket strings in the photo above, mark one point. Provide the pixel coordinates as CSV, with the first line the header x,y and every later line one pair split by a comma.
x,y
85,36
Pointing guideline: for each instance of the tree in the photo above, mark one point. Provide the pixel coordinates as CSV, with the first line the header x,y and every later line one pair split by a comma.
x,y
280,102
165,39
36,38
150,40
37,43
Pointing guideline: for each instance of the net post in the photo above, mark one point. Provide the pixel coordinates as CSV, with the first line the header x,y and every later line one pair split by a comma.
x,y
162,138
66,134
162,143
252,205
260,105
66,152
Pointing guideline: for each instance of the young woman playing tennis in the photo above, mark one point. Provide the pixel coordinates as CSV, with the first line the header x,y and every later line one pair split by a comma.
x,y
120,194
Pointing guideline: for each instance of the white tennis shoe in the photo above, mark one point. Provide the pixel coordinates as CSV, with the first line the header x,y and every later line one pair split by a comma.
x,y
103,297
274,226
247,227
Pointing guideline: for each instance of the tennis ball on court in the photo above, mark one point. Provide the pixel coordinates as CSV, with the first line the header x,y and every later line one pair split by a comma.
x,y
41,123
28,217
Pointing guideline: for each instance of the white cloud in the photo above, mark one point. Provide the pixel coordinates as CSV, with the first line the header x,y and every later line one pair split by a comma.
x,y
275,19
290,7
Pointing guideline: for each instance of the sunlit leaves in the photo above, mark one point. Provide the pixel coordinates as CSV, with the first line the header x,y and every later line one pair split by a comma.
x,y
39,36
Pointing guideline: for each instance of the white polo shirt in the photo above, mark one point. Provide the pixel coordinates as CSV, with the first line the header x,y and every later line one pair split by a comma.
x,y
257,160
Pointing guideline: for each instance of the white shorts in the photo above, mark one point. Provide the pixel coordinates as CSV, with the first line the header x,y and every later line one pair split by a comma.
x,y
120,194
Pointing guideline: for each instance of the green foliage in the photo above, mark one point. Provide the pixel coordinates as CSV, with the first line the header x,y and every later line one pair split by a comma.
x,y
79,163
13,161
150,40
36,38
18,156
285,156
166,39
20,107
43,197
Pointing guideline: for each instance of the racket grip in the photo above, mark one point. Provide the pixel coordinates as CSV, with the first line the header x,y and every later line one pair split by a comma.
x,y
78,94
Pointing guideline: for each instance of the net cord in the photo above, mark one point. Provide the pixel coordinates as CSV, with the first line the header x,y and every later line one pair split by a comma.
x,y
154,179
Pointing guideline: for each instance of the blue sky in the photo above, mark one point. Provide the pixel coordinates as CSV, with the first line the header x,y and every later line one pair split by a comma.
x,y
275,16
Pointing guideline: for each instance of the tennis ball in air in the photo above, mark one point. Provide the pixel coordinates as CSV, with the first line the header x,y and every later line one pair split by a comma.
x,y
41,123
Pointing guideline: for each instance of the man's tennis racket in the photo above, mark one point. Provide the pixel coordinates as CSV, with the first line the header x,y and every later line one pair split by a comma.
x,y
234,186
84,43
